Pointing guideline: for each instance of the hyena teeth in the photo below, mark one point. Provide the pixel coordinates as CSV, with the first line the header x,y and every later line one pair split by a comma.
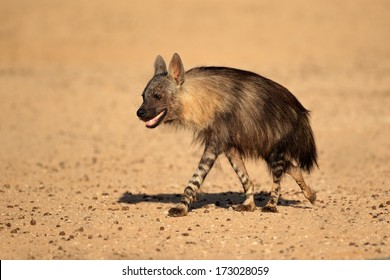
x,y
155,119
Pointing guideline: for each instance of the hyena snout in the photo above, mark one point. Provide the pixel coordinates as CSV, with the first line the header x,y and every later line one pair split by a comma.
x,y
151,116
141,113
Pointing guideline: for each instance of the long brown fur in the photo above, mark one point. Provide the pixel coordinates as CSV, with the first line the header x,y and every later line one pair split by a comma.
x,y
235,112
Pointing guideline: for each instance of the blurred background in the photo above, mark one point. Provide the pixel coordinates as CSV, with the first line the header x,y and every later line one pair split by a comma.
x,y
250,33
81,65
75,69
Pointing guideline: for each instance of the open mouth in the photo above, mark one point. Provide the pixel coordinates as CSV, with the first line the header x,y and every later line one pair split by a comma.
x,y
156,120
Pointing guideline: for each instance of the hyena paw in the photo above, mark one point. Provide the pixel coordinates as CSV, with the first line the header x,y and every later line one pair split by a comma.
x,y
270,208
244,208
312,198
179,210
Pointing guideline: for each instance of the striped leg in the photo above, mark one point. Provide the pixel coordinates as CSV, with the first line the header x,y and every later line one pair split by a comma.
x,y
205,164
237,163
277,169
296,173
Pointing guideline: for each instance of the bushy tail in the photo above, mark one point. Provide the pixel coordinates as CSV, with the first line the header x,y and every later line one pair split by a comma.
x,y
298,145
306,149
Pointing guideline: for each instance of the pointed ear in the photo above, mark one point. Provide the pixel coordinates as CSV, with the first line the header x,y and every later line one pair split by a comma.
x,y
176,69
159,66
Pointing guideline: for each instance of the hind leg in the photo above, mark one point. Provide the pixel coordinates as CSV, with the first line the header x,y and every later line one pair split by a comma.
x,y
273,199
277,165
296,173
237,163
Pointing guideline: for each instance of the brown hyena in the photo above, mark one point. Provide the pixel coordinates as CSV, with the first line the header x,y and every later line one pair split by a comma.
x,y
237,113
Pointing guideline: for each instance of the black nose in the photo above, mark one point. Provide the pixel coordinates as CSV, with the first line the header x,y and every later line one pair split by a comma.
x,y
141,113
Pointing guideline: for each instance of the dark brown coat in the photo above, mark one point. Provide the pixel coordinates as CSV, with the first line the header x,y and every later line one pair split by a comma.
x,y
235,112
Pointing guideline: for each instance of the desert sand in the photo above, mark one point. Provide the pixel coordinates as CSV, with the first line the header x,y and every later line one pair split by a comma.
x,y
82,178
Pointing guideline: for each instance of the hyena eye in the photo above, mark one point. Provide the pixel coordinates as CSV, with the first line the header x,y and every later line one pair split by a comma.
x,y
157,96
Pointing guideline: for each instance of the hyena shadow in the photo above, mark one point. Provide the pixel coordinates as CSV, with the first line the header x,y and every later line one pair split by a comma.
x,y
222,199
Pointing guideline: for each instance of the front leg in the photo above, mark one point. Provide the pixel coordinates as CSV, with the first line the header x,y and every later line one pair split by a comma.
x,y
205,164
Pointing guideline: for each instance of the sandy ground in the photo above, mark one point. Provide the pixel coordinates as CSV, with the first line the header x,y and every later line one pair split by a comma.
x,y
82,178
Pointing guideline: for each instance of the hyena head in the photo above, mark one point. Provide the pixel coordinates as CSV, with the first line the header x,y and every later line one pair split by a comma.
x,y
160,95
